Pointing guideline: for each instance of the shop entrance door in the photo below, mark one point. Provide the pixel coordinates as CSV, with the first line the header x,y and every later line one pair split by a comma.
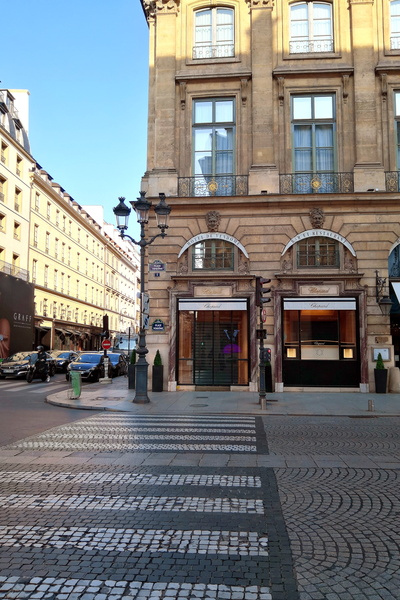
x,y
219,348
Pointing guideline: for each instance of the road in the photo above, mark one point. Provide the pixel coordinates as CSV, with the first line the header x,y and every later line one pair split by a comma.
x,y
23,411
122,507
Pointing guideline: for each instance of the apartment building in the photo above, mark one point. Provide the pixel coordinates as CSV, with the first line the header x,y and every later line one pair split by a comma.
x,y
274,133
61,268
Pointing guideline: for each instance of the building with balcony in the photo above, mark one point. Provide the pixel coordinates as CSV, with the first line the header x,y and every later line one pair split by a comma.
x,y
274,133
62,268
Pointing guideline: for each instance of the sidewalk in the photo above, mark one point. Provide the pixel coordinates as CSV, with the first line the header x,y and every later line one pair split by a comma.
x,y
117,397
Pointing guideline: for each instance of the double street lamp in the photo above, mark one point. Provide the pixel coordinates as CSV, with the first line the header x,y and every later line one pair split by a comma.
x,y
142,208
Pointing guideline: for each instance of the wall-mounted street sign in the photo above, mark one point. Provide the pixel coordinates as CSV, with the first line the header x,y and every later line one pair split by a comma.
x,y
158,325
157,265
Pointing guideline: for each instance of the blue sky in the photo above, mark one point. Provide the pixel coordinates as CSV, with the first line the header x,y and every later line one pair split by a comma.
x,y
85,63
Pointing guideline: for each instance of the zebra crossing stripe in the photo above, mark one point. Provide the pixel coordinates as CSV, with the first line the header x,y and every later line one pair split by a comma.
x,y
145,503
54,477
243,543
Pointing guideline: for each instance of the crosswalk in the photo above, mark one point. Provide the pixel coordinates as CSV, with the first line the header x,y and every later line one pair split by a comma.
x,y
15,386
116,432
112,532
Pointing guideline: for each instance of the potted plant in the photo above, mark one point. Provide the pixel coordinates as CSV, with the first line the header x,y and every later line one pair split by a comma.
x,y
132,371
158,373
380,373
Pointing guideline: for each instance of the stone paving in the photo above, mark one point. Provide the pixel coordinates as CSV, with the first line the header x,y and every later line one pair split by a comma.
x,y
121,506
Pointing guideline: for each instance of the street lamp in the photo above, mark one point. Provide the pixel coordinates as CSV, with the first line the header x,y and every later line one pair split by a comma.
x,y
384,302
142,208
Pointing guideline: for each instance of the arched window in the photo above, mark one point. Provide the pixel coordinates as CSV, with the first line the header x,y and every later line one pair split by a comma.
x,y
395,25
311,28
213,33
213,255
318,252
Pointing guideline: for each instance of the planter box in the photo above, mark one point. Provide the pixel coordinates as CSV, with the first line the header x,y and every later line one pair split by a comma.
x,y
381,376
158,376
131,376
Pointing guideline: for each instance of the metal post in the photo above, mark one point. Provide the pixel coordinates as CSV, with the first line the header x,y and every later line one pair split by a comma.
x,y
142,366
262,390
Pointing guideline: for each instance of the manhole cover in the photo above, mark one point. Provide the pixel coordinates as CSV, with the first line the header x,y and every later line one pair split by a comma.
x,y
199,405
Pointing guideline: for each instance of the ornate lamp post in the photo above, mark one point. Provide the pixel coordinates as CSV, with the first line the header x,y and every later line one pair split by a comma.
x,y
142,208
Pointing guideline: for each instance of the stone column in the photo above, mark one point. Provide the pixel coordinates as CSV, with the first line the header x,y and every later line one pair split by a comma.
x,y
161,175
263,174
368,170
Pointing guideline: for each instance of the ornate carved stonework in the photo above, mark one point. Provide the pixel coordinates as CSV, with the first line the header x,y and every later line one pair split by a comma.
x,y
213,219
349,263
260,3
287,262
317,218
244,268
183,265
152,7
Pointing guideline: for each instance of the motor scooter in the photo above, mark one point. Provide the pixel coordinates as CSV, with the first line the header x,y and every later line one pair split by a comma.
x,y
38,370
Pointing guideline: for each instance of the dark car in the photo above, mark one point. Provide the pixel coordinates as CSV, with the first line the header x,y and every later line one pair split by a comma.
x,y
118,364
63,358
17,365
89,365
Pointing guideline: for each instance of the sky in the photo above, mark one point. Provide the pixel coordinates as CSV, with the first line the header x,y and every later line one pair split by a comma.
x,y
85,64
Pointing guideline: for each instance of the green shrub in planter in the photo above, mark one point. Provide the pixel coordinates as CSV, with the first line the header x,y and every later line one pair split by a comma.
x,y
380,374
132,371
158,373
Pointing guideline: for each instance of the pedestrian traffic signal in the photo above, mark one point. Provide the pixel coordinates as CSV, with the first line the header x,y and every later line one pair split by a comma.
x,y
106,331
260,291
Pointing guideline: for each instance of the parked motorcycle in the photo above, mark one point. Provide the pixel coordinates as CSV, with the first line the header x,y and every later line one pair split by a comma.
x,y
38,370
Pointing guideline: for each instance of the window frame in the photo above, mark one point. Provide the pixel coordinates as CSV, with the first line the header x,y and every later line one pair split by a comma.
x,y
314,122
213,243
311,20
316,242
214,125
212,43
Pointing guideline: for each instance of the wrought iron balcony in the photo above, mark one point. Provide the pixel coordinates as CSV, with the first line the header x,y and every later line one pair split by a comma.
x,y
218,51
395,43
213,185
316,183
392,180
310,46
13,270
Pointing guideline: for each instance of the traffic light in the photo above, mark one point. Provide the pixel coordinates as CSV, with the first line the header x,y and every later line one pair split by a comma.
x,y
106,331
260,281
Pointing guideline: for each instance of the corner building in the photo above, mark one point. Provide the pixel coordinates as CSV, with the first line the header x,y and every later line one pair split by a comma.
x,y
274,132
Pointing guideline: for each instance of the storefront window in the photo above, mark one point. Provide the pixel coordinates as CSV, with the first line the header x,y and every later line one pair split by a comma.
x,y
320,334
213,347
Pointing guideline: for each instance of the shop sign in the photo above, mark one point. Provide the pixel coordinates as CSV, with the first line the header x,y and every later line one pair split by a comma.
x,y
156,266
158,325
319,290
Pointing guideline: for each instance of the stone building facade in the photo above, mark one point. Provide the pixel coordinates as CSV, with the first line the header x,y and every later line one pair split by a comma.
x,y
274,133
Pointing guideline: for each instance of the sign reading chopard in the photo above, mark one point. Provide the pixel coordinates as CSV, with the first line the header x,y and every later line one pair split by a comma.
x,y
213,236
319,290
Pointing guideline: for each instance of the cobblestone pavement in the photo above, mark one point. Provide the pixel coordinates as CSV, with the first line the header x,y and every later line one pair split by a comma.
x,y
123,507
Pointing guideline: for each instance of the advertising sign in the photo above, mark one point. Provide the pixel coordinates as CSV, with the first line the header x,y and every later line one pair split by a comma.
x,y
16,315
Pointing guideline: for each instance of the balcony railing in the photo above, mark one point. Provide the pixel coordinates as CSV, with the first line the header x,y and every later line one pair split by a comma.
x,y
213,185
395,43
13,270
316,183
392,180
310,46
218,51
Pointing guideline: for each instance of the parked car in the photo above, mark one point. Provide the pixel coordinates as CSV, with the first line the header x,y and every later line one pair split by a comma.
x,y
63,358
17,365
119,364
89,365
